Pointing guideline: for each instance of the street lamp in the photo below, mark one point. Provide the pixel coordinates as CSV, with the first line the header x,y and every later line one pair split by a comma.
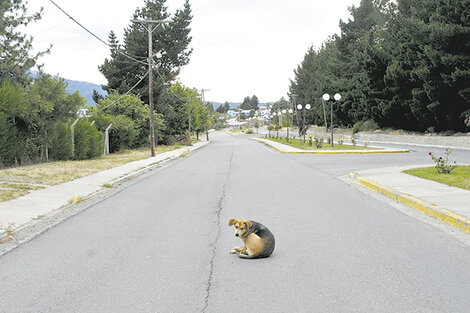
x,y
326,97
302,127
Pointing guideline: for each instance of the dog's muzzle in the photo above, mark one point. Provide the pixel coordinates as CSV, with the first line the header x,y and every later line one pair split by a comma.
x,y
237,235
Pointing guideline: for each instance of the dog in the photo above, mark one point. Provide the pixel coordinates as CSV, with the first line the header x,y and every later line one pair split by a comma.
x,y
258,240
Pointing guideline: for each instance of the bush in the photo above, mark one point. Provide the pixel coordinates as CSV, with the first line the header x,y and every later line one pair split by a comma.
x,y
187,141
88,141
10,143
443,165
318,142
122,135
357,127
369,125
61,148
361,126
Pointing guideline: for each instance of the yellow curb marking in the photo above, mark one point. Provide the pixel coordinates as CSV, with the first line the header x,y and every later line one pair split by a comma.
x,y
431,210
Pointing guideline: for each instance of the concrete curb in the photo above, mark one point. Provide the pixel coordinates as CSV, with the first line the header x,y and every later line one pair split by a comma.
x,y
417,144
299,151
431,210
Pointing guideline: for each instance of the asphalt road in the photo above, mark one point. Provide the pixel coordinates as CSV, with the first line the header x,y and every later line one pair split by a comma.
x,y
162,244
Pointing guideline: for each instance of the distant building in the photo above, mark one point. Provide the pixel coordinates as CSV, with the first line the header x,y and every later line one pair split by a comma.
x,y
264,112
83,113
232,113
233,123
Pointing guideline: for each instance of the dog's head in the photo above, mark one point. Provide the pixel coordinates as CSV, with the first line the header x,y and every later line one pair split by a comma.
x,y
242,228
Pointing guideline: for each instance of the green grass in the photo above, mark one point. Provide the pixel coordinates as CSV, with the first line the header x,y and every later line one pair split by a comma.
x,y
460,176
297,143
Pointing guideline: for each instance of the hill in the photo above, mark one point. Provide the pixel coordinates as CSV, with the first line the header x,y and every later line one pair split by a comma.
x,y
85,89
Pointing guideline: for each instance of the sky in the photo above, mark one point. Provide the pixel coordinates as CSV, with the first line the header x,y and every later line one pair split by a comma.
x,y
240,47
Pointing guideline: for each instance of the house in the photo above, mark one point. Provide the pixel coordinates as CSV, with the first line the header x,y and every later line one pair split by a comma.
x,y
83,113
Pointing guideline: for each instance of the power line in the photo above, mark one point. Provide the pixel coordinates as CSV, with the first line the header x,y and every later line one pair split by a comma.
x,y
117,100
117,50
101,40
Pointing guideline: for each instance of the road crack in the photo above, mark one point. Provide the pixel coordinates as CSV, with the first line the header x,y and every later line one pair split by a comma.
x,y
213,244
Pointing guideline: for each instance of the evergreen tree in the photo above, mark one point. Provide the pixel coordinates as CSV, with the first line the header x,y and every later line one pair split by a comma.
x,y
15,48
128,62
246,104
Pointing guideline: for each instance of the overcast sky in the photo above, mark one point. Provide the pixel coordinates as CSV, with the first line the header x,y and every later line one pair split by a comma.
x,y
240,47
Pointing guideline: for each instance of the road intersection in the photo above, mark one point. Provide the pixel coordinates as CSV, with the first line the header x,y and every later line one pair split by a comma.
x,y
161,244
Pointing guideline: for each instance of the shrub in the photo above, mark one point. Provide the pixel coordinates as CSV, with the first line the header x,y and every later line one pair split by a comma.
x,y
318,142
369,125
353,141
61,148
10,143
310,140
357,127
187,141
249,131
364,126
88,141
442,163
340,141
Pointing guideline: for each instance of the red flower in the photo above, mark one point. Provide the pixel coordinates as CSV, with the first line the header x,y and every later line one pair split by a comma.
x,y
430,153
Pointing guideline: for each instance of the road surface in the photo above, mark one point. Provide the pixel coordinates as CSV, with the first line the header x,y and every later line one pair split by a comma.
x,y
162,244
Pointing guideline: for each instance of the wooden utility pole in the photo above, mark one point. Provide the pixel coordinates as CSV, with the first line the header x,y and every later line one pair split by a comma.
x,y
150,60
152,117
204,102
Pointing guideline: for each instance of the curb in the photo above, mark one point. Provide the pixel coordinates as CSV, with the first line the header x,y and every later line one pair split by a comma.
x,y
331,151
431,210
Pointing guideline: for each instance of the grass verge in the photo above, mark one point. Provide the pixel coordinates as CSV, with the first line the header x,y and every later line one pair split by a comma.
x,y
460,176
57,172
297,143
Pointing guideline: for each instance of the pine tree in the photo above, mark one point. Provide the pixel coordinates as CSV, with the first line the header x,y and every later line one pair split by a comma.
x,y
15,48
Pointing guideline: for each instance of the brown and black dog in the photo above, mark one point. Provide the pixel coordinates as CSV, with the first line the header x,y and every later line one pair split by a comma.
x,y
258,240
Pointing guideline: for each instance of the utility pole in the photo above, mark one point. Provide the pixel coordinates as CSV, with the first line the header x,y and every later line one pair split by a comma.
x,y
203,95
150,57
204,102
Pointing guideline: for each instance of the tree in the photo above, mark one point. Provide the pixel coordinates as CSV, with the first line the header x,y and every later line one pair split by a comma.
x,y
254,103
15,48
246,104
128,62
49,102
96,96
403,64
130,118
250,103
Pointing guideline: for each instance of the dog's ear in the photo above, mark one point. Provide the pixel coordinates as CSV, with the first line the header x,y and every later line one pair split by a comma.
x,y
248,224
232,221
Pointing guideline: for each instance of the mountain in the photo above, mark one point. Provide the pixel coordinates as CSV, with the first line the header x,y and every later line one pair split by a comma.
x,y
85,89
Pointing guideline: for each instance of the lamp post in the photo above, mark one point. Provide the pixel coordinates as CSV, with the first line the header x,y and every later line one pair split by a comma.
x,y
302,126
326,97
275,124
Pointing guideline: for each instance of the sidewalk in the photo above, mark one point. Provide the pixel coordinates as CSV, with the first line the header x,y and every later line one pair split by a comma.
x,y
448,204
288,149
21,211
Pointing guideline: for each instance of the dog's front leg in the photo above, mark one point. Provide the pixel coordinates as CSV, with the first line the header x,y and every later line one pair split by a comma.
x,y
237,249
